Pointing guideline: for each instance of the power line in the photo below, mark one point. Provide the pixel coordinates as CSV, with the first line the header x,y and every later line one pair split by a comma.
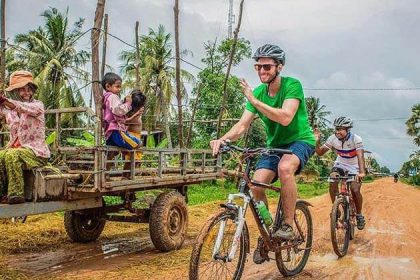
x,y
384,119
362,89
385,138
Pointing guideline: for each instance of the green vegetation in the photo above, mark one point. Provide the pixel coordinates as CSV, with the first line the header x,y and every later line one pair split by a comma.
x,y
412,180
218,190
206,192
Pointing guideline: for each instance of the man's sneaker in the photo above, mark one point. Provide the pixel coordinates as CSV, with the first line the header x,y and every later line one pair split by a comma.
x,y
360,221
285,232
260,255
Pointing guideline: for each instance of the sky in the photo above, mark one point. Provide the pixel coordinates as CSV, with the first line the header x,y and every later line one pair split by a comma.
x,y
329,44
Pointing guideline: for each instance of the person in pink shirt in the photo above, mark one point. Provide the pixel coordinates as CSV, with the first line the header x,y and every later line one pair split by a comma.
x,y
114,115
26,148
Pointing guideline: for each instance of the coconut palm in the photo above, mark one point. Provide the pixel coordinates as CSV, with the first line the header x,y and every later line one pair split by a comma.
x,y
413,124
316,113
50,53
157,76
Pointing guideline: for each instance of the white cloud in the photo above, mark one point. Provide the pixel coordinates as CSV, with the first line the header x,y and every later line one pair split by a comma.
x,y
328,44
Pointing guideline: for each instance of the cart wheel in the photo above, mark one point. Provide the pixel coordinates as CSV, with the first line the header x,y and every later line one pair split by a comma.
x,y
168,221
83,228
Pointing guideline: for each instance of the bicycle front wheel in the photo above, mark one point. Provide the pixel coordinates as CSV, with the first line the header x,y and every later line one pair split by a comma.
x,y
291,261
340,227
205,263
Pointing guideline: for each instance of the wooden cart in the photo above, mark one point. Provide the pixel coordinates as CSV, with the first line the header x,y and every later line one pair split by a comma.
x,y
83,182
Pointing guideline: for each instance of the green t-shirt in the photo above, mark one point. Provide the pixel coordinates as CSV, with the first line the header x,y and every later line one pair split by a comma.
x,y
298,129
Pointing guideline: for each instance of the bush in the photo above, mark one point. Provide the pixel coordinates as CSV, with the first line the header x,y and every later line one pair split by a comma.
x,y
414,180
368,178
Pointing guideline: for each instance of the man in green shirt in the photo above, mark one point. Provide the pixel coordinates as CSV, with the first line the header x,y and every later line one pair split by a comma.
x,y
280,103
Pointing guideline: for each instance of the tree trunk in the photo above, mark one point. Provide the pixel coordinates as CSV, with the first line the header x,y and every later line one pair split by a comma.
x,y
137,56
165,108
189,135
178,76
231,55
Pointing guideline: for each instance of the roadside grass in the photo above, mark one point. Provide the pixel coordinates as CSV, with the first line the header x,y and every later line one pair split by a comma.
x,y
219,190
207,192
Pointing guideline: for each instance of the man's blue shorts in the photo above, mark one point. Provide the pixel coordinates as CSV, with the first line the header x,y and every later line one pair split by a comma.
x,y
299,148
123,140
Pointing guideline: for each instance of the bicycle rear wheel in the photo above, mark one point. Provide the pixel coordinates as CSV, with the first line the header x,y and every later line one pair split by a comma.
x,y
202,263
292,261
340,227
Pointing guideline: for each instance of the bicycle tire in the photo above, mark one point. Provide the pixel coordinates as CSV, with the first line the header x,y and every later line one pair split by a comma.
x,y
285,265
340,242
206,236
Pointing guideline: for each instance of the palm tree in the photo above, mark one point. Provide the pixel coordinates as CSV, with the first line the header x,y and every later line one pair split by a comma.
x,y
316,113
50,53
157,76
413,124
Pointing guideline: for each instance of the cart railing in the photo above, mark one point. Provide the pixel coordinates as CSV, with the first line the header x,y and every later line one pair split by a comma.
x,y
85,167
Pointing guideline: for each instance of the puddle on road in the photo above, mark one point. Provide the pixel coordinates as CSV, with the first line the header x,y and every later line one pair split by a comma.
x,y
379,266
77,254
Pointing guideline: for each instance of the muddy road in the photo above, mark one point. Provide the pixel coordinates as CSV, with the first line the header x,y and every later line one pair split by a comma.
x,y
388,247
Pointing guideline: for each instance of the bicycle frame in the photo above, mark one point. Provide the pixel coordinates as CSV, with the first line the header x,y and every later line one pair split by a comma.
x,y
345,191
248,202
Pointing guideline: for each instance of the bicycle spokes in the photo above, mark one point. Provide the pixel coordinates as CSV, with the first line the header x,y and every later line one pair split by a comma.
x,y
294,253
212,260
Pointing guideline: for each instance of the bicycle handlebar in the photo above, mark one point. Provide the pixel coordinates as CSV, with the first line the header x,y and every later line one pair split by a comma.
x,y
348,178
228,147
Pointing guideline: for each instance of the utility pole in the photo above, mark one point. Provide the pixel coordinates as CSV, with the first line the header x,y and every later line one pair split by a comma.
x,y
178,76
231,19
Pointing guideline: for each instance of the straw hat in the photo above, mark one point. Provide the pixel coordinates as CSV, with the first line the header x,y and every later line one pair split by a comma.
x,y
20,79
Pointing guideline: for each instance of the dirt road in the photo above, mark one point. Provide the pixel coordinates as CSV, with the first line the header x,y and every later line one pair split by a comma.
x,y
388,248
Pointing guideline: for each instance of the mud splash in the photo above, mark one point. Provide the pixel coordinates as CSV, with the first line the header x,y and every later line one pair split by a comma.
x,y
78,255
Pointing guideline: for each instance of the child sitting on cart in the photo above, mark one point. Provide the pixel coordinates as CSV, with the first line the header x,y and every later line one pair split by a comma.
x,y
114,115
133,121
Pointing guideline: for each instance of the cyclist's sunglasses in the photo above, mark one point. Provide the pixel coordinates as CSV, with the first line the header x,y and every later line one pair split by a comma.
x,y
266,67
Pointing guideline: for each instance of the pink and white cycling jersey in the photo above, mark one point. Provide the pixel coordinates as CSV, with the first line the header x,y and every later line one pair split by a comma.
x,y
345,150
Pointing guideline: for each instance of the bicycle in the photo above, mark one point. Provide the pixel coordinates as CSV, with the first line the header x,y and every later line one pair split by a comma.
x,y
215,255
343,215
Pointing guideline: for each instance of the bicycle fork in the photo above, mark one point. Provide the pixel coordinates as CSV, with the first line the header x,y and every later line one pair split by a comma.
x,y
240,222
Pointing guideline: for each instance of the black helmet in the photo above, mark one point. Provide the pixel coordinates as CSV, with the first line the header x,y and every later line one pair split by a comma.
x,y
270,51
343,122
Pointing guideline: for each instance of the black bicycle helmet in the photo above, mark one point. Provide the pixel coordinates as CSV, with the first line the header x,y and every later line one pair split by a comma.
x,y
343,122
270,51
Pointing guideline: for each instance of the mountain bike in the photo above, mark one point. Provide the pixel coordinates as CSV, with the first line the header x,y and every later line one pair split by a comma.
x,y
343,215
221,248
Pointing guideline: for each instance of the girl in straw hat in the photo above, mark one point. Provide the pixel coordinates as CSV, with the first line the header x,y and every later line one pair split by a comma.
x,y
27,146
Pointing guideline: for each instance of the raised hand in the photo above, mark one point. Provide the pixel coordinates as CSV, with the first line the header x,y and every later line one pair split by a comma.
x,y
247,90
